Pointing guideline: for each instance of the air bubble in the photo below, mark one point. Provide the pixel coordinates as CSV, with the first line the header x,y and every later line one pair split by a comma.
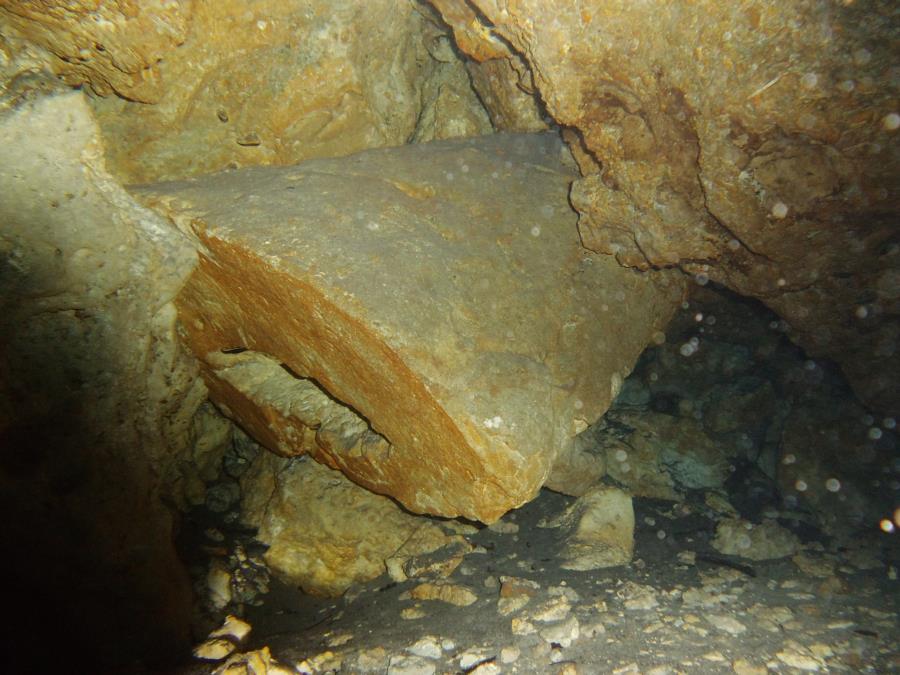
x,y
789,458
495,175
862,56
809,80
874,433
464,168
734,244
886,526
779,210
687,349
832,485
698,317
800,486
891,121
889,423
868,420
661,534
781,282
621,455
701,278
862,312
535,231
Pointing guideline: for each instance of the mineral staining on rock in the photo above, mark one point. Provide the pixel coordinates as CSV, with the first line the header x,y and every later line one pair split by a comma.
x,y
438,290
207,85
750,144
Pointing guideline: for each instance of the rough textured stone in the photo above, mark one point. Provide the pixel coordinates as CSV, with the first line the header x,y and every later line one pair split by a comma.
x,y
451,306
96,396
764,541
112,46
325,533
601,530
207,85
453,594
752,144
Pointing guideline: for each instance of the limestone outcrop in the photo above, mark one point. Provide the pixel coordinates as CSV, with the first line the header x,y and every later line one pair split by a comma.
x,y
96,394
438,290
751,144
202,86
325,533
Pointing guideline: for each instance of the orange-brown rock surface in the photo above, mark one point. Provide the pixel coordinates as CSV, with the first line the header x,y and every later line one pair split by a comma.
x,y
749,143
439,290
209,84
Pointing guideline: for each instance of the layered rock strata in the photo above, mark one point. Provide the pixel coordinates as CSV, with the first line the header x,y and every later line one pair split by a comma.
x,y
438,290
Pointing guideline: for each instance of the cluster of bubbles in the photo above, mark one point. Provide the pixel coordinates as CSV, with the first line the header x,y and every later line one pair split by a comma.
x,y
690,347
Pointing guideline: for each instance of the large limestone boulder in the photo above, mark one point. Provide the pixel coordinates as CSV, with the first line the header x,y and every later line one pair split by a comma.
x,y
753,144
323,532
439,290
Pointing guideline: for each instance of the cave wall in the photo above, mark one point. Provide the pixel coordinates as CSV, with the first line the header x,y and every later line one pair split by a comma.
x,y
749,143
96,394
97,399
206,85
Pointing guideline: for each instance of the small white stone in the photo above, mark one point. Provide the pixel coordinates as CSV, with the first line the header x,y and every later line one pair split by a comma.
x,y
427,647
410,665
469,659
509,654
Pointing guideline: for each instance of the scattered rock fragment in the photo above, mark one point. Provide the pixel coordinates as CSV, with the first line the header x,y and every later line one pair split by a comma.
x,y
428,647
410,665
563,633
453,594
601,530
798,656
259,662
214,649
766,541
515,593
